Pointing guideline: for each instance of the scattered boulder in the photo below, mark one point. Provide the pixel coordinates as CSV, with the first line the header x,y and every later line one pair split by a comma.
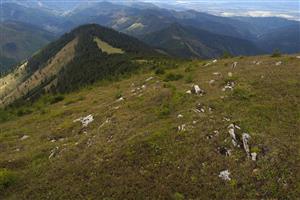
x,y
215,61
214,134
181,127
53,152
85,120
230,74
24,137
226,119
217,74
246,137
179,116
225,175
149,79
233,66
212,82
120,99
254,156
229,86
200,108
256,62
197,90
298,57
278,63
231,131
224,151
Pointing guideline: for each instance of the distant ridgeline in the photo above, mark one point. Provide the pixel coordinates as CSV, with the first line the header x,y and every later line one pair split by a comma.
x,y
78,58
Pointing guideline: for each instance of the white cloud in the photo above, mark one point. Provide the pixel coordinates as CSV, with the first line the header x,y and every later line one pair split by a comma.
x,y
259,13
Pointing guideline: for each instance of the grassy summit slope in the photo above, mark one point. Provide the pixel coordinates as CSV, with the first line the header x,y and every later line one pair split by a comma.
x,y
134,150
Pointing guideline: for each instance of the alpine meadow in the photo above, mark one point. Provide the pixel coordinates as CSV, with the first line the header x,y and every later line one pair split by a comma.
x,y
179,100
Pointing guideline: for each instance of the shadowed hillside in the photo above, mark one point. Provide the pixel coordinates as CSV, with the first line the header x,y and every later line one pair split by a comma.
x,y
190,42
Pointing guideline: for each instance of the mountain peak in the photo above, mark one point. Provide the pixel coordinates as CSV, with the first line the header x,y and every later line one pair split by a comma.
x,y
86,54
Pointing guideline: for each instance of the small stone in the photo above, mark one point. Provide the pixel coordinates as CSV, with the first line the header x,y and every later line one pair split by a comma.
x,y
255,171
197,90
149,79
230,74
212,82
179,116
24,137
254,156
278,63
53,152
85,120
225,175
246,137
224,151
217,73
120,99
215,61
234,65
226,119
181,127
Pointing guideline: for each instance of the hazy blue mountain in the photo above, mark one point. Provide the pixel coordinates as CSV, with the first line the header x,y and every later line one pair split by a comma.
x,y
286,39
262,25
39,17
18,41
190,42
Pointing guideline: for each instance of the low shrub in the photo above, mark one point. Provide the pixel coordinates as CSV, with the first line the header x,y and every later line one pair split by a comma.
x,y
164,110
57,98
189,79
7,178
276,53
24,111
159,70
241,94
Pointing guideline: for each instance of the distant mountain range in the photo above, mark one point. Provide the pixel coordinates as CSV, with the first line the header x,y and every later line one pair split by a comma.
x,y
242,35
286,39
190,42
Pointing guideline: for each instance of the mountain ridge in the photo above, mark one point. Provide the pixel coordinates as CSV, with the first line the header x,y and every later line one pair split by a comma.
x,y
191,42
73,61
